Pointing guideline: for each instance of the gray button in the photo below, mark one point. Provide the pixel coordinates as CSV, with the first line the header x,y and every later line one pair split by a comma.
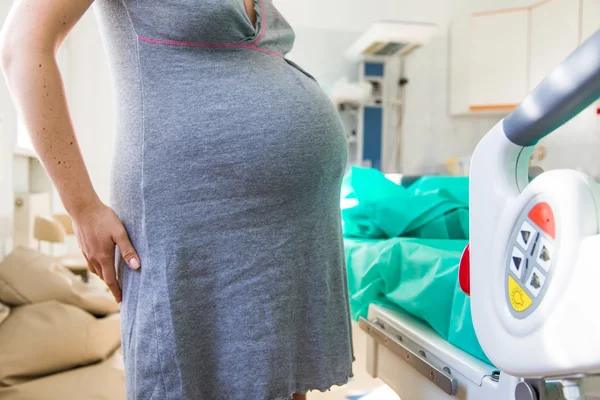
x,y
545,254
535,281
525,235
517,262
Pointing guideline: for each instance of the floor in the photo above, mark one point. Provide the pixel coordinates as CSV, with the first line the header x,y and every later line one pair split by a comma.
x,y
362,386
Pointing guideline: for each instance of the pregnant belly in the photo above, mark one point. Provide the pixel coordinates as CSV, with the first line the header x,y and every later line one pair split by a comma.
x,y
224,131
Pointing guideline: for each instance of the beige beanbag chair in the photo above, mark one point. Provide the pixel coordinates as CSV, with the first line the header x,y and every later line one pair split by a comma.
x,y
46,338
28,277
103,381
4,311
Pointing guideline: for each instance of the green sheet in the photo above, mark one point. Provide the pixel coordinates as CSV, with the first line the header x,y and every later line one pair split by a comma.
x,y
417,275
432,207
403,247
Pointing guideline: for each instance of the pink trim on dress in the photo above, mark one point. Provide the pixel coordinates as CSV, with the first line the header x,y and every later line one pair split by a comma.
x,y
208,45
252,46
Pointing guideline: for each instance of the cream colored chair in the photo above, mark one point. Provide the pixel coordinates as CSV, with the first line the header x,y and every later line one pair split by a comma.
x,y
66,222
54,230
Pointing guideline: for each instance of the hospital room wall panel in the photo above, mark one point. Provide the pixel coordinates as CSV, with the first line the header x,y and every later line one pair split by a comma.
x,y
549,46
429,133
590,18
358,15
92,101
8,124
498,63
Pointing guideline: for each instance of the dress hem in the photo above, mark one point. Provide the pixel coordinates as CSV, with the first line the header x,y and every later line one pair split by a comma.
x,y
305,389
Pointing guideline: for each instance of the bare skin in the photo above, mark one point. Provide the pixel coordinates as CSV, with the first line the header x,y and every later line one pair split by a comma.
x,y
29,41
250,10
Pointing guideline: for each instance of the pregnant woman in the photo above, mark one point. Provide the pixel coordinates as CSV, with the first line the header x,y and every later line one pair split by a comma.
x,y
224,223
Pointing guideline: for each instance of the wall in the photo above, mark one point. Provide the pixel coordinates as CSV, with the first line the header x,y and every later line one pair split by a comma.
x,y
8,128
344,21
92,101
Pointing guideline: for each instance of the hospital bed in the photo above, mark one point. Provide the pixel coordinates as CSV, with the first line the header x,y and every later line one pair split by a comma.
x,y
531,269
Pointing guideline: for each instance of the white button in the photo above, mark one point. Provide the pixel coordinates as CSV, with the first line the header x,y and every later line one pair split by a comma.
x,y
536,281
544,254
525,235
517,262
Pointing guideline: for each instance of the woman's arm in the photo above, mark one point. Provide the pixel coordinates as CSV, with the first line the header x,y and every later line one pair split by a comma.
x,y
29,41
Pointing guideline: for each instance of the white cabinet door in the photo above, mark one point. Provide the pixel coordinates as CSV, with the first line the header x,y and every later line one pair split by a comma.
x,y
590,18
498,59
555,30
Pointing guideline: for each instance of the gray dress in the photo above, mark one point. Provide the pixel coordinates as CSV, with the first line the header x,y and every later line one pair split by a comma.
x,y
227,172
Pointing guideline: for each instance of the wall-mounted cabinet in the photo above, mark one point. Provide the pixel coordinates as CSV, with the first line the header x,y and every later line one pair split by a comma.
x,y
555,31
498,57
489,62
590,18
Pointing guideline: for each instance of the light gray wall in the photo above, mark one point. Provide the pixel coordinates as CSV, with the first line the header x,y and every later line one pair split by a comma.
x,y
92,101
8,131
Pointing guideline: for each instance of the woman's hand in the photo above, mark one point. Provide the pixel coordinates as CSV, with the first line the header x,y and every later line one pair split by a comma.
x,y
98,231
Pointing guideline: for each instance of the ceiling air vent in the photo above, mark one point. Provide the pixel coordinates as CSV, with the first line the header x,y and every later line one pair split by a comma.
x,y
389,38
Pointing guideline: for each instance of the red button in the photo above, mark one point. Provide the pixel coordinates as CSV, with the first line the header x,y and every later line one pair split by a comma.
x,y
464,271
543,217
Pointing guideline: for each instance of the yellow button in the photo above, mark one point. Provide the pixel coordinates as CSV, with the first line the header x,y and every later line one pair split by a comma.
x,y
519,300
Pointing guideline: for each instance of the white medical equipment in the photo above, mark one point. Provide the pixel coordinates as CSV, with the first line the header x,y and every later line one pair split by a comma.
x,y
534,260
378,54
390,38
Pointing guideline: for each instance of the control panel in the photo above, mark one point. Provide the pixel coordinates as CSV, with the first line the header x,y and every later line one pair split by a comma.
x,y
531,252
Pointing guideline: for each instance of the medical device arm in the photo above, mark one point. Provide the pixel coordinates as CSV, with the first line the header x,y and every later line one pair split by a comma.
x,y
570,88
534,244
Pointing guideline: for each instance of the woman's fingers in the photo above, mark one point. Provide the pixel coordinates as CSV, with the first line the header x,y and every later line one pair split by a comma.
x,y
98,230
91,265
99,272
126,248
109,276
103,266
